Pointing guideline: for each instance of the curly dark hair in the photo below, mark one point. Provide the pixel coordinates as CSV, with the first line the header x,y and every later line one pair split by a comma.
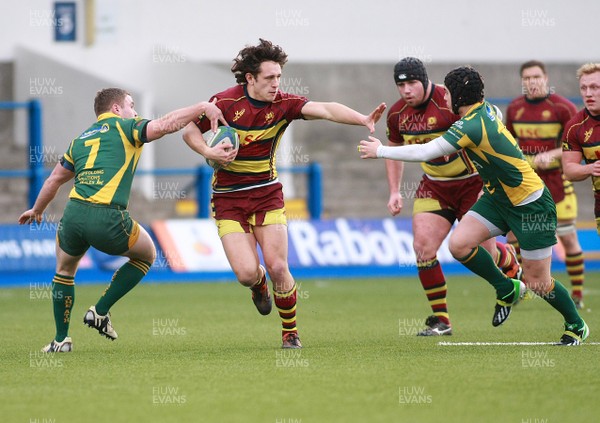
x,y
250,58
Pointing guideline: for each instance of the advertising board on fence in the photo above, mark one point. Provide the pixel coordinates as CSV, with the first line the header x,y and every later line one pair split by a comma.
x,y
190,249
30,247
335,245
194,245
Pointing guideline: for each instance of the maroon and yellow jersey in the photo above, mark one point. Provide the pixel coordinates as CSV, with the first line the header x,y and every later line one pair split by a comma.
x,y
419,125
260,126
538,124
582,133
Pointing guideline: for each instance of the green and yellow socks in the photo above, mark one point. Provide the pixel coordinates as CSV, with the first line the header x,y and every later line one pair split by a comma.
x,y
63,298
63,293
558,297
123,281
480,262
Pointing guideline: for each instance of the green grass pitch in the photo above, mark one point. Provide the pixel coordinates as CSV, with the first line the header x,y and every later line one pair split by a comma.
x,y
201,353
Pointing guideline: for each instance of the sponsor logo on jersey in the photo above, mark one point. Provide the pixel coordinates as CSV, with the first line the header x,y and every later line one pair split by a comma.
x,y
104,128
269,117
238,114
490,113
251,138
88,134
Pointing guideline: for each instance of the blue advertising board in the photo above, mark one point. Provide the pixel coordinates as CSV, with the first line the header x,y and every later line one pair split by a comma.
x,y
190,250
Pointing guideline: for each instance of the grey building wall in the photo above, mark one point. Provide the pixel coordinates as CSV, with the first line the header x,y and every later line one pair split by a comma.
x,y
6,83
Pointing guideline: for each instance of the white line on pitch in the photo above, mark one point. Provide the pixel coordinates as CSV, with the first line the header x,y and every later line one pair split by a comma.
x,y
484,344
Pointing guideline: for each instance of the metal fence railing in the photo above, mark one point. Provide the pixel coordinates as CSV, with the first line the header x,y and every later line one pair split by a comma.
x,y
36,173
203,185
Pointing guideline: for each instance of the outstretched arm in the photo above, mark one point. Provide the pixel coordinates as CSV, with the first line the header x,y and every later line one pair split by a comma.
x,y
57,178
340,113
408,153
177,119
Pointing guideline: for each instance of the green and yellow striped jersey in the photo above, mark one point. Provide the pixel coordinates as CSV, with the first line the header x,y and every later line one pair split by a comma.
x,y
492,149
104,159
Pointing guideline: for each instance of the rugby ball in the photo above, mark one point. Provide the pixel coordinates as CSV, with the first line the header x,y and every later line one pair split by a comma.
x,y
224,134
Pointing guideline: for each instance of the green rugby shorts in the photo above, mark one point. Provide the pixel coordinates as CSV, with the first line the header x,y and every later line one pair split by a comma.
x,y
109,229
533,224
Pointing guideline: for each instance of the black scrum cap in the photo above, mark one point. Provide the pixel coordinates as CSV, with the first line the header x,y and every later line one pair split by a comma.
x,y
409,69
465,85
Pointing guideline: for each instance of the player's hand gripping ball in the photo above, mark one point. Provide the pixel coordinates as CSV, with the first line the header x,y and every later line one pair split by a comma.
x,y
224,134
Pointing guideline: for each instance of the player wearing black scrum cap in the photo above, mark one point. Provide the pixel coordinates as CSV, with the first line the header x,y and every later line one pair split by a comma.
x,y
449,187
514,198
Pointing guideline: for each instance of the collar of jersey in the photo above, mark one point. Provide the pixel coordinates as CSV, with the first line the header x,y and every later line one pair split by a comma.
x,y
107,115
536,100
597,117
475,106
253,101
